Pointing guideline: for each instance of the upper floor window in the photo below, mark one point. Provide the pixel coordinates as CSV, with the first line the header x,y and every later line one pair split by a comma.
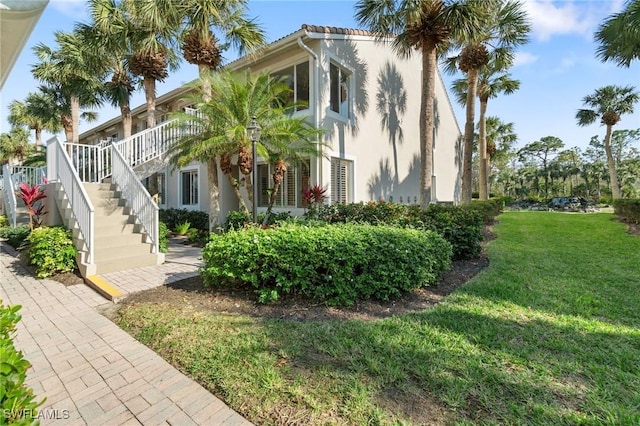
x,y
297,78
339,90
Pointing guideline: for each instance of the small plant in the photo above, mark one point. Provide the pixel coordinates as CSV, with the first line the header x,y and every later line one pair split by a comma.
x,y
163,237
183,228
32,196
52,251
17,402
15,235
313,197
4,222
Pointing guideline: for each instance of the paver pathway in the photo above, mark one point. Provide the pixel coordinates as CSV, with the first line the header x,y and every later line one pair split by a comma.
x,y
91,371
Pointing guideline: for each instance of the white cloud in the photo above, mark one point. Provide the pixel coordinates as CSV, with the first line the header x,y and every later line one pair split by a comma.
x,y
550,18
524,58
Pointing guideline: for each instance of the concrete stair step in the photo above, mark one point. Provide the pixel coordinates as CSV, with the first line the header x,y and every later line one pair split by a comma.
x,y
130,262
120,253
119,240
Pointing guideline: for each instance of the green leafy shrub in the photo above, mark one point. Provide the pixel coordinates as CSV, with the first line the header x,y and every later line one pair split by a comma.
x,y
238,220
460,225
4,221
183,228
488,209
52,251
15,236
336,264
172,217
17,403
163,237
628,209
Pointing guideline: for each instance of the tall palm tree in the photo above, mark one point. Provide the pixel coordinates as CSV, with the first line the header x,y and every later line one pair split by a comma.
x,y
202,18
425,27
500,139
36,113
619,36
53,99
504,26
608,104
109,34
492,80
218,132
75,69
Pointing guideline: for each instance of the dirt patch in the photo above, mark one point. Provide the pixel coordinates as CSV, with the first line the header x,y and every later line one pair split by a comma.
x,y
68,278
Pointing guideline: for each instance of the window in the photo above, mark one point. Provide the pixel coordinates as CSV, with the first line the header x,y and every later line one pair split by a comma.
x,y
339,90
290,192
341,171
297,78
189,185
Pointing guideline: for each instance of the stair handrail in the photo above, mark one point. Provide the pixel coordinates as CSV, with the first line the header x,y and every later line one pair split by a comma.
x,y
148,144
92,162
137,196
81,206
31,175
10,199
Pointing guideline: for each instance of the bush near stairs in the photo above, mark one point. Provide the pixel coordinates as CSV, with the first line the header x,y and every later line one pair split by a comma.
x,y
52,251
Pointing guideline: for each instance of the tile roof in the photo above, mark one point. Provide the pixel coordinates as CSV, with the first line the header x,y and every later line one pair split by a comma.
x,y
335,30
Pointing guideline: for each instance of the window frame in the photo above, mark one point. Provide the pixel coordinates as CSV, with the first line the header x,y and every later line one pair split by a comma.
x,y
294,78
348,186
184,171
346,115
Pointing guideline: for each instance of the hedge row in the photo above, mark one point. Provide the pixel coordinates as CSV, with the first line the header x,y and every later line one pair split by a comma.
x,y
628,209
17,402
335,264
172,217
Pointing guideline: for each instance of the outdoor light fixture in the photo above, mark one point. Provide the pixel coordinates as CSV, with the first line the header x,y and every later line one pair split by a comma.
x,y
254,130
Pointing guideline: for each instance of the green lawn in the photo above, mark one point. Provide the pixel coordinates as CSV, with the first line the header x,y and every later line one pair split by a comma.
x,y
549,333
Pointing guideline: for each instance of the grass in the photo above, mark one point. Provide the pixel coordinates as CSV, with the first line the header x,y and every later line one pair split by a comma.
x,y
549,333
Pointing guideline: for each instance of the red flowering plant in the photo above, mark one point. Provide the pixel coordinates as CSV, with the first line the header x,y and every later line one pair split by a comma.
x,y
313,197
32,197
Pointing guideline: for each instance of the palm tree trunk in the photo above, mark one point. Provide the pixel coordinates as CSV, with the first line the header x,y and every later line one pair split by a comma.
x,y
613,174
38,140
472,82
127,119
482,153
214,194
203,71
67,125
150,95
272,201
75,119
236,188
429,64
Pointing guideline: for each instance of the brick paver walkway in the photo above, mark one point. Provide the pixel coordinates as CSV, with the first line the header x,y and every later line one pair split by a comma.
x,y
91,371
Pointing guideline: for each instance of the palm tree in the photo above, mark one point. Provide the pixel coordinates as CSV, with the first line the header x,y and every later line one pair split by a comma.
x,y
218,132
14,146
201,47
36,113
619,36
53,99
109,34
74,69
542,150
608,103
500,138
503,26
426,27
492,80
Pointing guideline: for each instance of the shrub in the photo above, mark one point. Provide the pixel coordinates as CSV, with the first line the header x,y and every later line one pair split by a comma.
x,y
52,251
17,402
163,237
15,236
461,226
183,227
4,221
488,209
336,264
238,220
172,217
628,209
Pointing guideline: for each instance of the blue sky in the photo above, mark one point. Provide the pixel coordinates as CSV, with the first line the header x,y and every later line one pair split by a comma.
x,y
557,68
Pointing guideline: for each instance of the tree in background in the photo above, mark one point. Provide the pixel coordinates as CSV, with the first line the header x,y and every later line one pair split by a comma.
x,y
618,37
37,114
426,27
542,152
503,26
14,146
608,104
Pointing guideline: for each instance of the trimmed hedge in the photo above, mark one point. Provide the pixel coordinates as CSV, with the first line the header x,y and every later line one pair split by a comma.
x,y
461,226
336,264
628,209
238,220
52,251
172,217
17,402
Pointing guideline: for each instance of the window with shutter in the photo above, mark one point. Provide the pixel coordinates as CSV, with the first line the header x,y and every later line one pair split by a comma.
x,y
341,180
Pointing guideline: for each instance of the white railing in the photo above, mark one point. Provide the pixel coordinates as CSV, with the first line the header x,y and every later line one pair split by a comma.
x,y
92,162
83,211
148,144
29,175
138,198
10,200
